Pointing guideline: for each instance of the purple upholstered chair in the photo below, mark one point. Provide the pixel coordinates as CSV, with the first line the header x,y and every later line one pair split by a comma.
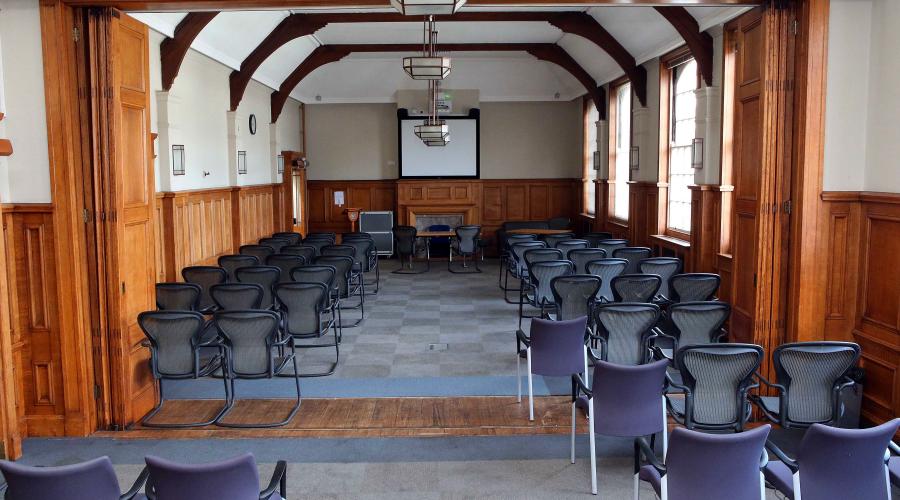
x,y
553,348
702,465
835,464
234,479
92,480
624,401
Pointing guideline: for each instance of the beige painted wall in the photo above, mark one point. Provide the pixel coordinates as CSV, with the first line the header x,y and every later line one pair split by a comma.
x,y
518,140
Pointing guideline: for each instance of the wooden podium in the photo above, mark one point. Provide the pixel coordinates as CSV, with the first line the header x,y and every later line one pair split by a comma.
x,y
352,216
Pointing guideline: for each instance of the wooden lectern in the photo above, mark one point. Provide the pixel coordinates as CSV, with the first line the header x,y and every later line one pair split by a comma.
x,y
352,216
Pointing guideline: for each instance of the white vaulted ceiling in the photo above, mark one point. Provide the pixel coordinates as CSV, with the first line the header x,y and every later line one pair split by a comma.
x,y
500,76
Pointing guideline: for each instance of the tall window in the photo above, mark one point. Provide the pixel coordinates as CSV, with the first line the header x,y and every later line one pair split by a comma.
x,y
682,110
591,116
623,150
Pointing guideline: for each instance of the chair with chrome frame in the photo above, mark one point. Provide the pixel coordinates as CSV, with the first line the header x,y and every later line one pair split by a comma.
x,y
506,257
204,277
307,315
466,246
606,269
536,291
582,256
255,350
325,275
177,296
518,267
91,480
175,342
348,285
233,479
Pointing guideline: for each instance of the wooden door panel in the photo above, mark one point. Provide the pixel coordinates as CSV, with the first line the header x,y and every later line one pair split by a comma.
x,y
747,147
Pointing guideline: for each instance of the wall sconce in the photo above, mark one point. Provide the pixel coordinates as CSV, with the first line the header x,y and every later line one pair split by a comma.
x,y
242,162
634,159
178,159
280,161
697,153
597,160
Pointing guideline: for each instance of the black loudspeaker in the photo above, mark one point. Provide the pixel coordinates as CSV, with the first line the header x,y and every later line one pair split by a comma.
x,y
380,225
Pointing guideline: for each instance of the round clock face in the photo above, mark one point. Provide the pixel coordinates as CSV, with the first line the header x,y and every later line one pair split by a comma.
x,y
252,124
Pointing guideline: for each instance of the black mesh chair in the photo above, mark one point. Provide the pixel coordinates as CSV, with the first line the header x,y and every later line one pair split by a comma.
x,y
308,252
204,277
318,243
466,246
517,267
347,284
275,243
581,256
258,251
574,296
174,339
324,235
307,315
595,238
810,378
231,263
342,250
292,237
531,256
692,287
625,331
285,262
264,276
537,293
611,245
553,239
634,255
366,257
237,296
177,296
571,244
635,287
506,255
253,350
665,268
717,379
405,238
694,323
325,275
606,269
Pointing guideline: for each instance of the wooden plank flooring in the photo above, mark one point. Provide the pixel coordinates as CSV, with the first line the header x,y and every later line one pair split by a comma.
x,y
369,417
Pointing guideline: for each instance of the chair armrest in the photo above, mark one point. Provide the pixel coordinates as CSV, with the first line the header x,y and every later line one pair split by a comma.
x,y
791,464
895,449
581,387
659,354
593,356
523,338
672,383
723,333
137,486
278,482
643,449
766,382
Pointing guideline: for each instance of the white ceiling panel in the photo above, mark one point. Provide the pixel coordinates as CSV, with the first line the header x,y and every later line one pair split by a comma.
x,y
592,58
163,22
642,31
282,62
708,17
449,32
231,36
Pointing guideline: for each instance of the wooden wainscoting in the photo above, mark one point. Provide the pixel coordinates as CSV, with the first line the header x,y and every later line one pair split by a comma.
x,y
324,215
644,212
862,295
36,349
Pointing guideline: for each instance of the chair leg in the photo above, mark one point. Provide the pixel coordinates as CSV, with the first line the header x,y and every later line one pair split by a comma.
x,y
572,447
146,421
665,429
637,486
530,387
518,377
593,444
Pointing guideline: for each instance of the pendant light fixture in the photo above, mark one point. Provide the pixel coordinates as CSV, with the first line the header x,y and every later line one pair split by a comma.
x,y
433,131
427,7
428,66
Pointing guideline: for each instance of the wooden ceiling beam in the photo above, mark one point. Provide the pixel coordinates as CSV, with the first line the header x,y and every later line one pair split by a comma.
x,y
699,42
330,53
172,50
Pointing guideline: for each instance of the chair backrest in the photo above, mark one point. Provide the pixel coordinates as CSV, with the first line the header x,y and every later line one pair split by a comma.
x,y
635,391
322,235
574,295
264,276
301,305
177,296
364,249
341,250
292,237
512,239
837,463
258,251
172,335
249,336
285,262
635,287
356,236
467,238
594,238
581,256
553,239
809,371
717,376
205,277
318,243
234,479
704,465
633,255
557,347
626,328
611,245
237,296
405,239
542,255
275,243
91,480
570,244
606,269
691,287
664,267
542,273
308,252
342,266
231,263
698,323
315,274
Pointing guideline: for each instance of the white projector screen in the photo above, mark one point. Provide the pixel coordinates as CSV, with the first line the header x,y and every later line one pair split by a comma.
x,y
459,158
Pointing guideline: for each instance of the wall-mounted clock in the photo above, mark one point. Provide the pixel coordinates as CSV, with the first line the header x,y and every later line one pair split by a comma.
x,y
252,124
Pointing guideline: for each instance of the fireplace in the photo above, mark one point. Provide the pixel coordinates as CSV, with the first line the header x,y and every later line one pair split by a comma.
x,y
424,221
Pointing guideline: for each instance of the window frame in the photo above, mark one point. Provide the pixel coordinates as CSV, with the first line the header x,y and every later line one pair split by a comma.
x,y
588,158
612,113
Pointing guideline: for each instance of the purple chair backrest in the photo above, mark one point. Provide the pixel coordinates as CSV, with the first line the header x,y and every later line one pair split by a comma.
x,y
557,347
701,465
92,480
628,398
845,463
234,479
